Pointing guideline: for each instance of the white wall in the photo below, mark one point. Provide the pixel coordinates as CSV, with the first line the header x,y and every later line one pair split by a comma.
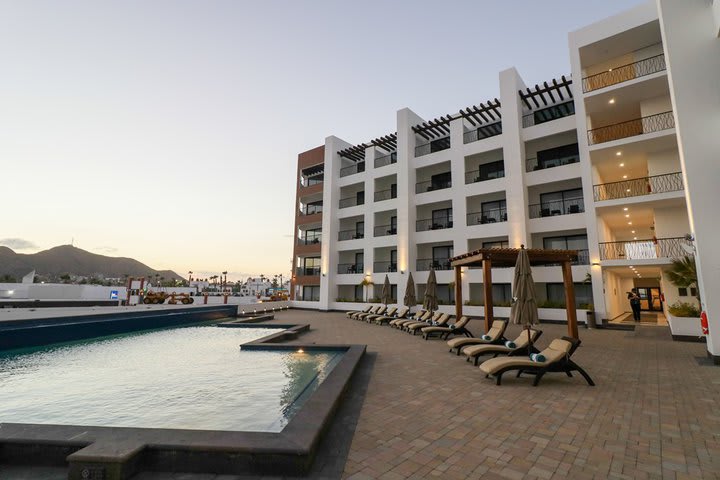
x,y
60,291
662,162
671,222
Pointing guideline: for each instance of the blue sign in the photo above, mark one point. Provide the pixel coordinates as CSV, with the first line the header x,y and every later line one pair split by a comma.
x,y
113,294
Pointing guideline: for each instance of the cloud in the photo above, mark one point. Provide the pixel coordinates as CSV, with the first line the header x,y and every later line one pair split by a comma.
x,y
18,244
106,249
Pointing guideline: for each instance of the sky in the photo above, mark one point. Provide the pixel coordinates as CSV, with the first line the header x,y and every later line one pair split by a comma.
x,y
168,130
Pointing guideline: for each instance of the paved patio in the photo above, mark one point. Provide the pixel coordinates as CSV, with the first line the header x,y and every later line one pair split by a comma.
x,y
416,411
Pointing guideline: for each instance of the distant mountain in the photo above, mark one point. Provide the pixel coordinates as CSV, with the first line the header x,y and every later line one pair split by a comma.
x,y
75,261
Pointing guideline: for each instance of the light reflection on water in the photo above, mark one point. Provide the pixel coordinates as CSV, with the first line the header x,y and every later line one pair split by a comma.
x,y
194,377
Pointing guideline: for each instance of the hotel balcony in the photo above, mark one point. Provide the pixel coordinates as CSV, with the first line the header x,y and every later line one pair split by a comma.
x,y
386,160
482,132
345,268
566,206
670,182
383,230
425,264
487,171
493,215
432,185
311,209
631,128
310,240
533,165
350,235
647,249
549,114
624,73
437,223
307,271
388,194
384,267
432,146
358,167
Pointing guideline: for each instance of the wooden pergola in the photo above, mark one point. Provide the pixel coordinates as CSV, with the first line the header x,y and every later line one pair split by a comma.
x,y
506,257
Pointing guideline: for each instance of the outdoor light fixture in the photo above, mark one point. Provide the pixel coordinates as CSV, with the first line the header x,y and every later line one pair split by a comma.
x,y
595,264
624,176
627,215
300,350
629,223
618,153
611,101
632,231
622,164
625,209
634,238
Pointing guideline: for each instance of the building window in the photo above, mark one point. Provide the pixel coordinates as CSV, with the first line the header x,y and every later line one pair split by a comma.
x,y
311,293
556,293
693,292
558,156
682,291
496,244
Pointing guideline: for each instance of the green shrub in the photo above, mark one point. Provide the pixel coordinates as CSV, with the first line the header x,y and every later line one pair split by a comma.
x,y
551,304
684,309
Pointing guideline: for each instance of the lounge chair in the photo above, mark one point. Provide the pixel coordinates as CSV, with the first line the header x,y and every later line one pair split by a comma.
x,y
388,312
521,347
353,312
556,359
356,315
399,315
458,328
493,336
381,309
439,320
424,320
420,316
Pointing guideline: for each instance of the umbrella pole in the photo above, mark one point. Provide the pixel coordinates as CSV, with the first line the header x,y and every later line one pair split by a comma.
x,y
530,343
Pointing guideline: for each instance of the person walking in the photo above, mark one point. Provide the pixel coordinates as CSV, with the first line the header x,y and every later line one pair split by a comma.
x,y
634,304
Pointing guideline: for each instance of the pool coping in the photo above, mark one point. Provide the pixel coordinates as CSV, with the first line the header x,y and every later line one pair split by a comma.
x,y
120,452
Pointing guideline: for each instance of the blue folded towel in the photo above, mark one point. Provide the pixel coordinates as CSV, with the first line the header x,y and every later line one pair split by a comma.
x,y
487,337
510,344
537,357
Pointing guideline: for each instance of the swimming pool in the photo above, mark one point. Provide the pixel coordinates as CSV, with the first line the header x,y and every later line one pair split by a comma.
x,y
182,378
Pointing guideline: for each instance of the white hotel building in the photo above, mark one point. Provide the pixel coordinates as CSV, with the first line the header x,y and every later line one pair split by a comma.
x,y
614,160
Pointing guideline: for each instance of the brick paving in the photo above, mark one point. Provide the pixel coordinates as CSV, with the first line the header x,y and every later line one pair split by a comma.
x,y
416,411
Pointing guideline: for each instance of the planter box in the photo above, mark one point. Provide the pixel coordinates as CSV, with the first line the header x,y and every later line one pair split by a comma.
x,y
685,328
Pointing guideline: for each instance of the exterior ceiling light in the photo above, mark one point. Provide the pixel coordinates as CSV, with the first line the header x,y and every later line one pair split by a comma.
x,y
627,215
624,176
622,164
629,223
611,101
618,153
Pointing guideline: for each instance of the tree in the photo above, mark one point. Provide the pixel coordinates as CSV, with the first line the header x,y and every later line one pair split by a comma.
x,y
65,278
683,273
6,278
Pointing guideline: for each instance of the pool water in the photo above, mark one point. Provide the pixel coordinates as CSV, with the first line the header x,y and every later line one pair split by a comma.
x,y
192,377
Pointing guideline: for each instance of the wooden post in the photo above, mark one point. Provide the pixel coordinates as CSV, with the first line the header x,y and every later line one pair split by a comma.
x,y
487,290
570,299
458,293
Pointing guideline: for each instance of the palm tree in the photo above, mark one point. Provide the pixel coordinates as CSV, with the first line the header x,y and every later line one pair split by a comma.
x,y
366,282
683,273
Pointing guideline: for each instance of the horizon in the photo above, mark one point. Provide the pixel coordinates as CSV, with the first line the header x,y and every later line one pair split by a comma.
x,y
136,129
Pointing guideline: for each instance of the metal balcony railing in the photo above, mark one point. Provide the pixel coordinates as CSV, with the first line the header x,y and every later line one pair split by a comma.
x,y
310,181
351,202
424,264
385,195
583,258
350,235
624,73
311,209
307,271
384,230
351,169
386,160
429,186
350,268
476,176
558,207
433,224
631,128
488,216
548,114
484,131
643,249
532,164
432,147
384,267
310,240
669,182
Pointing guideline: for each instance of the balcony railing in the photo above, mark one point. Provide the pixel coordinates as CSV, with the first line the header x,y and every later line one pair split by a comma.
x,y
643,249
669,182
311,209
484,131
350,235
351,202
532,164
384,267
351,169
386,160
475,176
433,224
488,216
310,181
548,114
583,258
385,195
631,128
310,240
350,268
432,147
429,186
307,271
624,73
384,230
424,264
558,207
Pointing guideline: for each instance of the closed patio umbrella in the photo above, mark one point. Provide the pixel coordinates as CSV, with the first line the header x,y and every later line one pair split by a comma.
x,y
524,306
385,296
430,302
410,300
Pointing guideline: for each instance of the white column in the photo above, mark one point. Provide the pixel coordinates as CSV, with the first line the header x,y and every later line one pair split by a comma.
x,y
692,54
